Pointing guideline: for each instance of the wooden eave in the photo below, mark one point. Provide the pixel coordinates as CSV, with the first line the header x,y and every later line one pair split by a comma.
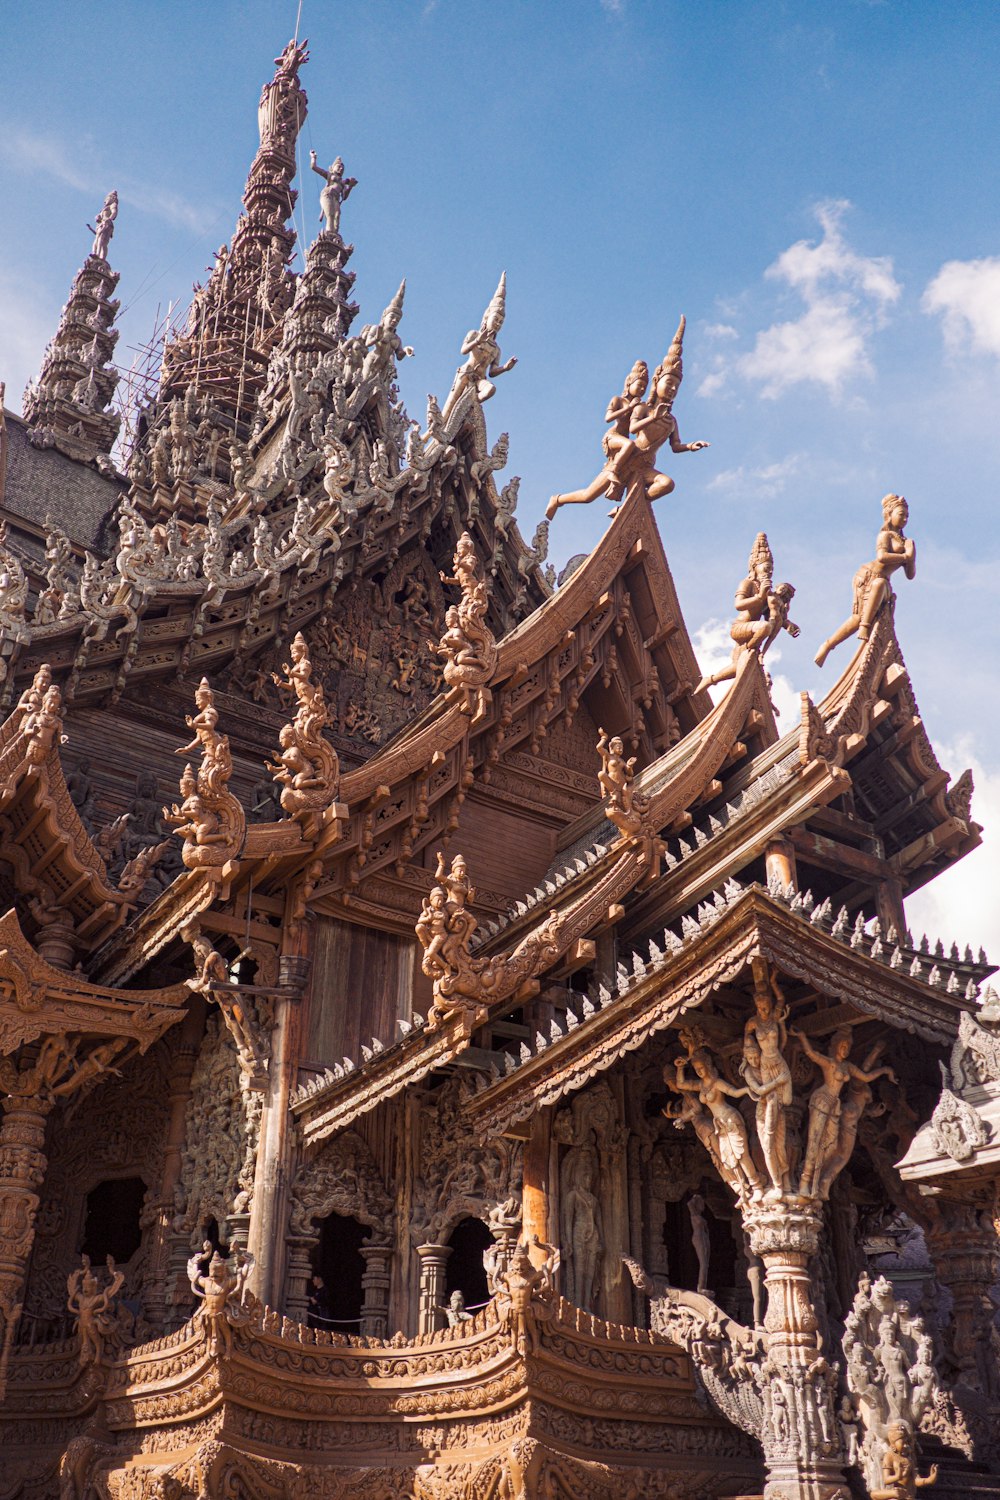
x,y
44,841
37,999
869,722
926,1160
683,980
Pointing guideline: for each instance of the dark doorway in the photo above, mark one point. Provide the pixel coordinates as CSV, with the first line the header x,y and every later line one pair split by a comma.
x,y
341,1265
464,1270
681,1257
112,1222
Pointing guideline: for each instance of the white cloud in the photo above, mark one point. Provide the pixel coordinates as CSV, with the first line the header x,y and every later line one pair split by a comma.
x,y
720,331
758,483
80,169
961,905
846,297
613,7
966,293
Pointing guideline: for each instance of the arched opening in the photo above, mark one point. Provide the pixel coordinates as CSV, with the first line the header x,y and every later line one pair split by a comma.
x,y
464,1270
112,1224
341,1266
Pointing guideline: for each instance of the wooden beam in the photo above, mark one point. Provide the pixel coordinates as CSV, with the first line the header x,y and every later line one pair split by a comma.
x,y
842,859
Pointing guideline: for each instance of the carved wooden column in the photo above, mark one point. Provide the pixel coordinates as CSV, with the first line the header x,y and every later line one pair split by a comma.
x,y
432,1264
802,1451
22,1171
535,1192
375,1285
779,863
964,1247
298,1271
269,1209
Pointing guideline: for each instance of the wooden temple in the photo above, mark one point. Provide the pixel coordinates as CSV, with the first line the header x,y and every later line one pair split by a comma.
x,y
444,1055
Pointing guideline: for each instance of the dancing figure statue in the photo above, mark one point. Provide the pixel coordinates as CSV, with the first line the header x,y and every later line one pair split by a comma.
x,y
732,1149
631,450
873,581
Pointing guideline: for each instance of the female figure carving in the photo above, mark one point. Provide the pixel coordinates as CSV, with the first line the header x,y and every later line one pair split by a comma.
x,y
738,1166
872,581
825,1105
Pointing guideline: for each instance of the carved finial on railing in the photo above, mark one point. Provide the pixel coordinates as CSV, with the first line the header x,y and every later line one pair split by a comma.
x,y
210,820
307,765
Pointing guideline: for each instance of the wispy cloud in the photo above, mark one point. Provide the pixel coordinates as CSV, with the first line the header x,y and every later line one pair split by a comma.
x,y
966,295
613,7
759,483
27,326
846,297
44,155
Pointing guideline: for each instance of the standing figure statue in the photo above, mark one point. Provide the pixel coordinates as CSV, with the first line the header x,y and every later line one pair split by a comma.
x,y
767,1073
700,1239
873,581
104,226
580,1232
335,194
825,1105
651,423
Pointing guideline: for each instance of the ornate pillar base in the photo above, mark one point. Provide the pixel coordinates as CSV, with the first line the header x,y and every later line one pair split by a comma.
x,y
22,1171
432,1264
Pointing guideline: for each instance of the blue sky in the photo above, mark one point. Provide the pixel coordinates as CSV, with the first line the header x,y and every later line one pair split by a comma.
x,y
813,184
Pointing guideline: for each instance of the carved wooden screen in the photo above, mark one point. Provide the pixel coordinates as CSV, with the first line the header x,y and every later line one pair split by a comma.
x,y
362,984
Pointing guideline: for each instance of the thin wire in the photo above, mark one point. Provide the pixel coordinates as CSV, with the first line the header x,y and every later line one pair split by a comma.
x,y
298,18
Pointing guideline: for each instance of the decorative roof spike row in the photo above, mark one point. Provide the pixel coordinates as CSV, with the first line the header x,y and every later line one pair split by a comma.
x,y
405,1027
877,948
925,946
509,1063
953,987
555,1030
859,937
572,1020
418,1020
655,953
842,926
822,915
638,967
967,957
939,949
526,1052
604,997
689,927
540,1043
588,1007
896,958
982,956
732,890
954,954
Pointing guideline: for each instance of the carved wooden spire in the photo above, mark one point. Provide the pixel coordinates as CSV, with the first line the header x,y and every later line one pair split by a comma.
x,y
67,405
237,314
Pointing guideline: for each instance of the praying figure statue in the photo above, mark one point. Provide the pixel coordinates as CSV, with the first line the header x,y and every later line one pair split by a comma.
x,y
335,193
873,581
900,1479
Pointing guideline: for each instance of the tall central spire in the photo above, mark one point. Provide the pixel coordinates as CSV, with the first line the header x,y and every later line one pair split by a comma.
x,y
233,319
